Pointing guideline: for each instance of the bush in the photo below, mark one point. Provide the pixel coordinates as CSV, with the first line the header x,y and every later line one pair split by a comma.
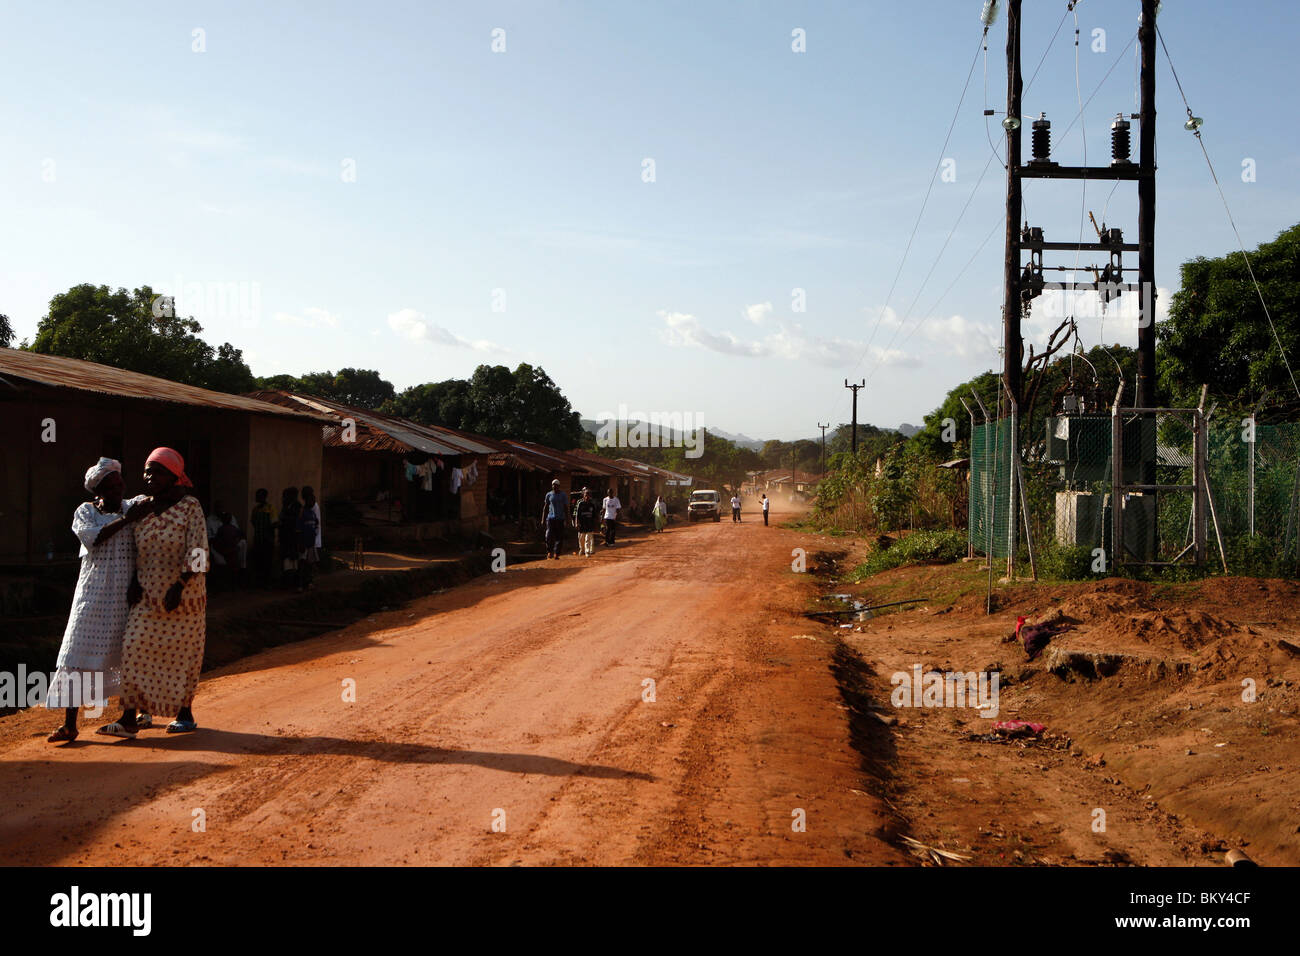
x,y
1256,557
920,547
1066,562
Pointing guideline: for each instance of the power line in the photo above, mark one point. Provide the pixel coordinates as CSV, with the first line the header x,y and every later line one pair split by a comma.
x,y
993,155
924,202
933,266
1195,127
969,262
1097,90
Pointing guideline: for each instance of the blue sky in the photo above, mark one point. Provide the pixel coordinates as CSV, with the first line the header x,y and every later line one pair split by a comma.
x,y
499,210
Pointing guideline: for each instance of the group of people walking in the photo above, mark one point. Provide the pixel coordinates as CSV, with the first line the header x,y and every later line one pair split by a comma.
x,y
139,612
587,516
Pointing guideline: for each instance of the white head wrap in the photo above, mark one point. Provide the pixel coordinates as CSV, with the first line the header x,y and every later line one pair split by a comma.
x,y
101,470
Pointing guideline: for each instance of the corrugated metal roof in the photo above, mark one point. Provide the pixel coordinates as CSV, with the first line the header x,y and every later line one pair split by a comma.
x,y
55,371
374,431
652,469
611,467
580,463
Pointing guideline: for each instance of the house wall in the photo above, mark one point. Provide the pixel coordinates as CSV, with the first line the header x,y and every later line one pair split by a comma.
x,y
228,455
282,453
473,499
355,475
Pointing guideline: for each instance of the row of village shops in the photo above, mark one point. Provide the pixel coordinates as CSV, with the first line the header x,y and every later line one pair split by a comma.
x,y
386,479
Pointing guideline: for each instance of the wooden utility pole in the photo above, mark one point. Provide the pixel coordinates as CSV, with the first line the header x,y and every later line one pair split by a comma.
x,y
823,428
1011,277
854,436
1021,283
1146,377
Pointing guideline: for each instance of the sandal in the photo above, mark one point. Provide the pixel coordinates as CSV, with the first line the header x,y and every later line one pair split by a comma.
x,y
182,727
143,721
63,734
115,729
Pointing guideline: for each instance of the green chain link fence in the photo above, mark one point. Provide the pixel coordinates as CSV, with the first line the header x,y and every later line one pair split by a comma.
x,y
990,477
1254,489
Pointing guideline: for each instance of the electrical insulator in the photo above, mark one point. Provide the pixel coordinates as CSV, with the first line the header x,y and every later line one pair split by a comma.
x,y
1042,139
1119,141
989,13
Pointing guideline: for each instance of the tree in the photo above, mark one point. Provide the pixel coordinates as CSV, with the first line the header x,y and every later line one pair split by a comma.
x,y
1217,333
125,330
359,387
6,332
525,404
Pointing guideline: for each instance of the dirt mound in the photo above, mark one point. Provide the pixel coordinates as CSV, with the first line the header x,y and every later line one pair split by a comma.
x,y
1166,630
1121,622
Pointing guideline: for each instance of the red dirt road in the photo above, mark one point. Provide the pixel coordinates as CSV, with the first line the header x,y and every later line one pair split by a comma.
x,y
516,699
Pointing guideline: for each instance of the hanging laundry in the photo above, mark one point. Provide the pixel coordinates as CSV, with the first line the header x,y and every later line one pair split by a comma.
x,y
412,471
456,477
471,473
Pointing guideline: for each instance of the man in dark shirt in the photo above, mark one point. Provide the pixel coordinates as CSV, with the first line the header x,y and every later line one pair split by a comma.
x,y
587,516
555,513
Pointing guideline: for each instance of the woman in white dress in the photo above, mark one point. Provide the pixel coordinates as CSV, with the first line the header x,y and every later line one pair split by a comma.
x,y
88,671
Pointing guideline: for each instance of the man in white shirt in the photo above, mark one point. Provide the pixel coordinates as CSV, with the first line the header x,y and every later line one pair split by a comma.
x,y
767,503
612,507
735,507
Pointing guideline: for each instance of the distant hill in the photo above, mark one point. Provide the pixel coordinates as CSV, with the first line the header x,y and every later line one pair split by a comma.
x,y
907,430
744,441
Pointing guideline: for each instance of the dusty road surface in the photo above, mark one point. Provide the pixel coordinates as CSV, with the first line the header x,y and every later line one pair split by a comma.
x,y
507,721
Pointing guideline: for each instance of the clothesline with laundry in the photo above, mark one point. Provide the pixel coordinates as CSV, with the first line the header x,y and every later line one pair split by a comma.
x,y
424,471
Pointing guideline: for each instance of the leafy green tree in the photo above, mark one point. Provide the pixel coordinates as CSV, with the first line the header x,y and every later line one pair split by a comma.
x,y
359,387
123,329
6,332
525,404
433,403
1217,333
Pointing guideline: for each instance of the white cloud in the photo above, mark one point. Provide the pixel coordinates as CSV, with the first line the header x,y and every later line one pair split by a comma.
x,y
961,337
411,324
787,341
311,318
684,329
757,313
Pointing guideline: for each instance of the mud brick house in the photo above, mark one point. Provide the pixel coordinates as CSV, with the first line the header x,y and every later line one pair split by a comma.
x,y
59,415
391,479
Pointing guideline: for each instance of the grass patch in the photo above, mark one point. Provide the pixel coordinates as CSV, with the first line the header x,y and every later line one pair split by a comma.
x,y
919,547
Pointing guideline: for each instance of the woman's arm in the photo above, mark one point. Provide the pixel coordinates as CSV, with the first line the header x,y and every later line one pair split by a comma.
x,y
138,508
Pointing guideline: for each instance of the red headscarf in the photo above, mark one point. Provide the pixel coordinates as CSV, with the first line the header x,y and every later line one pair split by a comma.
x,y
171,459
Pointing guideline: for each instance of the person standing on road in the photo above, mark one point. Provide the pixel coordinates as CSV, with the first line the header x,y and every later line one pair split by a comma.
x,y
660,513
612,508
554,512
586,514
290,509
263,521
162,647
92,641
735,507
309,538
767,504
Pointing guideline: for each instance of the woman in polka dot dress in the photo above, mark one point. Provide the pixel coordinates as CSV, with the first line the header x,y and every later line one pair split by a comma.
x,y
162,648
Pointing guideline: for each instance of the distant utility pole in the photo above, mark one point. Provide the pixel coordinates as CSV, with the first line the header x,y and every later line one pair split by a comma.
x,y
823,428
855,412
